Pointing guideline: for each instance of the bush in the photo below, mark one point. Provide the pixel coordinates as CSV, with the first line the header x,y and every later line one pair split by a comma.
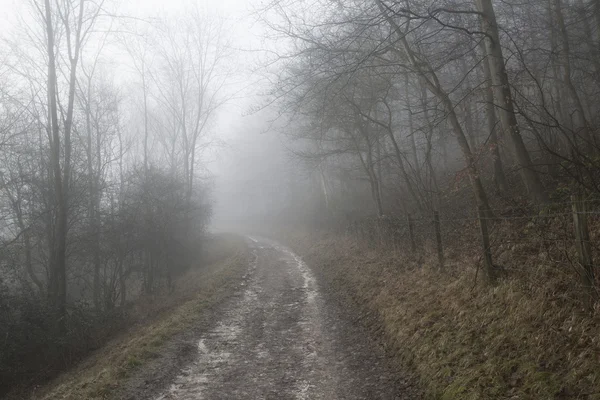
x,y
31,350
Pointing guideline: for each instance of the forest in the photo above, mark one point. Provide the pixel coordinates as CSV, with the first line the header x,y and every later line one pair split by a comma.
x,y
461,135
472,111
104,197
449,152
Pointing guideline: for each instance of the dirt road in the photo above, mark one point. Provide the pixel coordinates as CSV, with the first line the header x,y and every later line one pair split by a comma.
x,y
279,339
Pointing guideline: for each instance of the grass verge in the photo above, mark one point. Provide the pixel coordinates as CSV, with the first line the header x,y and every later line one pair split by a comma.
x,y
106,370
526,338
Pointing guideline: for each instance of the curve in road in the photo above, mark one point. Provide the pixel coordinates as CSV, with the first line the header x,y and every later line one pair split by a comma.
x,y
279,339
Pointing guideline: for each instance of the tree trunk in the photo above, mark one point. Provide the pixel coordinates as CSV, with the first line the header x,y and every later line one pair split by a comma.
x,y
597,18
145,94
468,108
504,97
411,130
499,177
324,189
369,166
379,170
57,291
589,37
565,52
92,211
373,179
480,195
399,158
433,185
122,285
430,79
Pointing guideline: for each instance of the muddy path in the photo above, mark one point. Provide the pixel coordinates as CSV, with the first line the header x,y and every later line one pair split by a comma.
x,y
280,339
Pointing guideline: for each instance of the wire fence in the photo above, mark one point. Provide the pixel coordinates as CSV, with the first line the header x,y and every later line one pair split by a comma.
x,y
562,234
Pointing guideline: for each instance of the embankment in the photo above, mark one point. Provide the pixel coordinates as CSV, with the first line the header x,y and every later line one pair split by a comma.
x,y
525,338
145,357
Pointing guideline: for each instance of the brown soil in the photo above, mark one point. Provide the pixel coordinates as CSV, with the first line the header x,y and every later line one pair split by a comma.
x,y
273,333
278,338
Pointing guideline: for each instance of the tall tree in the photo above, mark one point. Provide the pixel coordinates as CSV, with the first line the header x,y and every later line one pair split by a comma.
x,y
504,98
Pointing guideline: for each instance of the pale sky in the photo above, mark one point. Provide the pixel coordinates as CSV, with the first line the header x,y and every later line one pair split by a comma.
x,y
237,10
243,133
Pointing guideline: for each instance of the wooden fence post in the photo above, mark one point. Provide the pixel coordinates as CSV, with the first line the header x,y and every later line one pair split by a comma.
x,y
411,232
488,266
371,232
438,238
584,250
384,236
395,236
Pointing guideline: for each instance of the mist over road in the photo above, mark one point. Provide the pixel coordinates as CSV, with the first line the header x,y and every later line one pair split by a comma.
x,y
279,339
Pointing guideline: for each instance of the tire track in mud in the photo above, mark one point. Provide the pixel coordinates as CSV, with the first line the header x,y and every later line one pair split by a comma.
x,y
278,339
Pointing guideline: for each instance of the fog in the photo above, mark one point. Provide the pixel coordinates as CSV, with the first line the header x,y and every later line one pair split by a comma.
x,y
250,172
133,131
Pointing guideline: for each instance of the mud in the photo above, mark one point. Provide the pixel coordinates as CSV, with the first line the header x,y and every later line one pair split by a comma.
x,y
280,338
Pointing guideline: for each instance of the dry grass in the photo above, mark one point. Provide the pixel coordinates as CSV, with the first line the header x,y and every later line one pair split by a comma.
x,y
526,338
101,373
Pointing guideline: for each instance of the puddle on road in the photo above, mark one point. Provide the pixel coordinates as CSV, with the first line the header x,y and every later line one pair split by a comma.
x,y
311,323
223,347
310,283
194,379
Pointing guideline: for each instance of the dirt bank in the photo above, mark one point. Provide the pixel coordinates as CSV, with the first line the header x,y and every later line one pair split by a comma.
x,y
518,340
146,357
